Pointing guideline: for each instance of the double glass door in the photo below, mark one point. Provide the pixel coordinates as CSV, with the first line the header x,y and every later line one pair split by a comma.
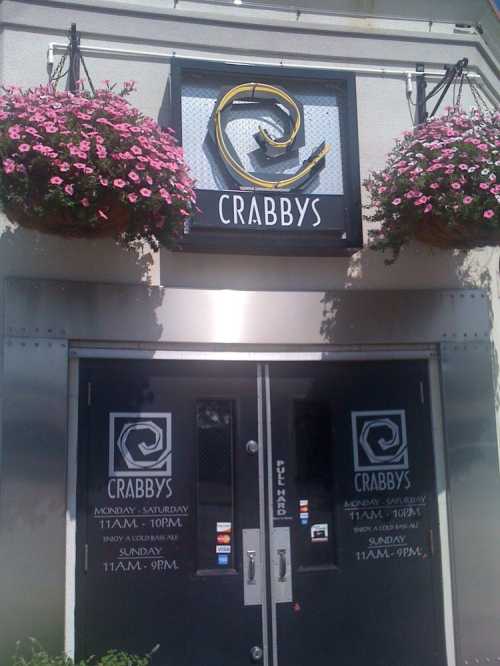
x,y
232,513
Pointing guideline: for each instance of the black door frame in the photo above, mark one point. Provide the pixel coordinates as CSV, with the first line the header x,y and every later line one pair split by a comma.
x,y
262,371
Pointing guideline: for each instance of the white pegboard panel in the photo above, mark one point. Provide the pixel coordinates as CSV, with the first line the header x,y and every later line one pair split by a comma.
x,y
321,122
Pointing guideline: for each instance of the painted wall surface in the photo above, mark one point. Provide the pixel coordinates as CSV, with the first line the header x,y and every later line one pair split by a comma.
x,y
248,35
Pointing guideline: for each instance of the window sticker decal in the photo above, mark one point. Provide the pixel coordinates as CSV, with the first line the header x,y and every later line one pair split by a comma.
x,y
379,441
140,444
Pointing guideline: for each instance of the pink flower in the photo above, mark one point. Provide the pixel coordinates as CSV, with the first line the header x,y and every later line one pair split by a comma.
x,y
136,150
14,132
483,147
396,201
9,166
468,200
104,181
85,202
434,186
166,195
382,189
145,192
69,189
132,197
488,214
456,186
119,182
64,166
484,186
80,165
24,148
428,208
463,167
133,176
102,214
55,180
421,201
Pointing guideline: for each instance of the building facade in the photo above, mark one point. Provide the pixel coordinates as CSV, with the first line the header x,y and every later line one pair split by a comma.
x,y
268,446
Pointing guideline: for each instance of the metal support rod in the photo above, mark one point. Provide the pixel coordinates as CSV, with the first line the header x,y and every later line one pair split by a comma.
x,y
454,72
169,55
74,59
421,110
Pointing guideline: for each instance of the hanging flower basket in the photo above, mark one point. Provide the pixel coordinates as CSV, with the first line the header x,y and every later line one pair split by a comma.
x,y
84,166
440,186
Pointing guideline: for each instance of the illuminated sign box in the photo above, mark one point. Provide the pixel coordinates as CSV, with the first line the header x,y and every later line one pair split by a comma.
x,y
274,153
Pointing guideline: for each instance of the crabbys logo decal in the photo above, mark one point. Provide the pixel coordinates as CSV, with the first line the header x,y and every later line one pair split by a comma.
x,y
380,451
140,444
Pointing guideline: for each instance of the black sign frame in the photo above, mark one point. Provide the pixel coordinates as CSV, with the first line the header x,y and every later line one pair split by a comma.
x,y
204,234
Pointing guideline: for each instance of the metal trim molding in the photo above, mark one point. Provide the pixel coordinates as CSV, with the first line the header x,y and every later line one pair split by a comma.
x,y
91,311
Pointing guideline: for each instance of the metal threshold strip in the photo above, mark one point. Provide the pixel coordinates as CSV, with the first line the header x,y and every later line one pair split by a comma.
x,y
423,352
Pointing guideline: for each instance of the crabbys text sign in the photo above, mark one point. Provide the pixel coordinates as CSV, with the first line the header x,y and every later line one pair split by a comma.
x,y
275,158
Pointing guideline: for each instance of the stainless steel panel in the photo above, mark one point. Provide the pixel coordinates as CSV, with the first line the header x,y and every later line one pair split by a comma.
x,y
137,313
253,580
33,493
281,563
474,498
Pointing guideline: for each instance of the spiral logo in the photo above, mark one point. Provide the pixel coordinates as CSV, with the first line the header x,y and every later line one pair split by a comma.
x,y
140,444
290,113
379,440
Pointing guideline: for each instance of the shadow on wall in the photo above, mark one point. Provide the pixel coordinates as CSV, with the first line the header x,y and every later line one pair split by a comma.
x,y
456,270
32,504
28,253
471,271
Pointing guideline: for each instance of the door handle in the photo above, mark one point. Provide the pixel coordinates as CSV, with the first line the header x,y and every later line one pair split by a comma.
x,y
282,564
251,567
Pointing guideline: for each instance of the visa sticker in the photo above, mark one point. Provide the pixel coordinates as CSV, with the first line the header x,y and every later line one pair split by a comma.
x,y
222,549
222,560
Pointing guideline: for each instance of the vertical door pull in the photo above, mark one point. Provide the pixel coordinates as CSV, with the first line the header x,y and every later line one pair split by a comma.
x,y
251,567
282,564
282,569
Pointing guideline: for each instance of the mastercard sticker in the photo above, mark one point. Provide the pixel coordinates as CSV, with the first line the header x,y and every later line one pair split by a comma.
x,y
224,538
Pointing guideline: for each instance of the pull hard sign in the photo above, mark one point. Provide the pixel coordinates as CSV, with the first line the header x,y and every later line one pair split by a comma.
x,y
274,155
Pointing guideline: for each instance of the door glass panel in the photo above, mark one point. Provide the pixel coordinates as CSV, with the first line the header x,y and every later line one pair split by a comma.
x,y
215,441
314,478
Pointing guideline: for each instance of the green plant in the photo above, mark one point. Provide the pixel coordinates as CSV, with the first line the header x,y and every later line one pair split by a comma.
x,y
439,185
36,655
